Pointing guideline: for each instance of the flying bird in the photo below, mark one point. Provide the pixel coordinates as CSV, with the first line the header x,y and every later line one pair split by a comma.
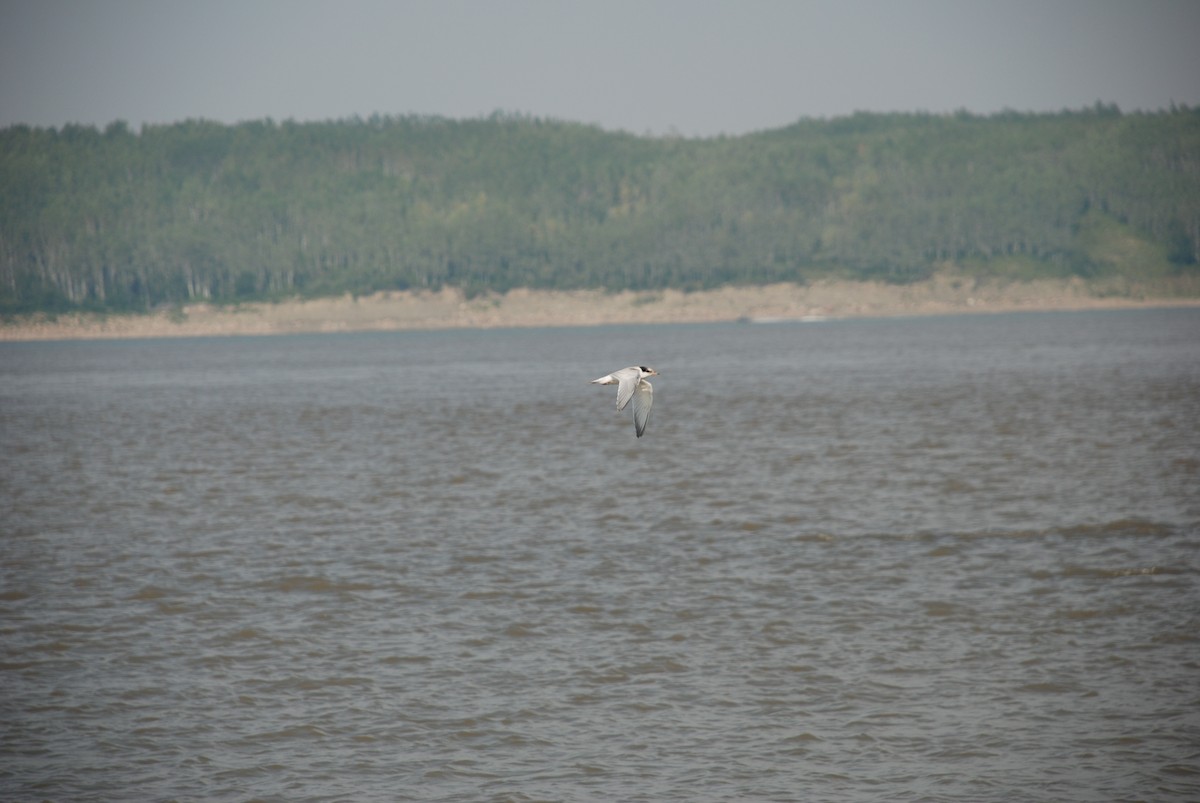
x,y
631,384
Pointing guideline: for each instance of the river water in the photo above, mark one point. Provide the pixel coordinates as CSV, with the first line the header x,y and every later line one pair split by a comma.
x,y
917,559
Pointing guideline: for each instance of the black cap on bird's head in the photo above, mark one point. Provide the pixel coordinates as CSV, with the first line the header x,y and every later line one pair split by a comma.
x,y
646,370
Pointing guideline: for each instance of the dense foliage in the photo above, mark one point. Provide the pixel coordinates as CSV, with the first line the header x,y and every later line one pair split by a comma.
x,y
118,219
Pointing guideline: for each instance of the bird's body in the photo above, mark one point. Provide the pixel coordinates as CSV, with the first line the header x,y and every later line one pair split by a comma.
x,y
631,384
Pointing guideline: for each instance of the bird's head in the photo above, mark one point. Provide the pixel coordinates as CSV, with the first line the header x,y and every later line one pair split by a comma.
x,y
647,371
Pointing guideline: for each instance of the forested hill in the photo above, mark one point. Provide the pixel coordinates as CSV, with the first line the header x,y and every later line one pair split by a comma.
x,y
118,219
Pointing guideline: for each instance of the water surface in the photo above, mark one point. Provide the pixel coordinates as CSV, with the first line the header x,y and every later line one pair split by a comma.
x,y
923,559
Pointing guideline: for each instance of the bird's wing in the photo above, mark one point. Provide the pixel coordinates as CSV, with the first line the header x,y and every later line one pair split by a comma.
x,y
642,399
628,381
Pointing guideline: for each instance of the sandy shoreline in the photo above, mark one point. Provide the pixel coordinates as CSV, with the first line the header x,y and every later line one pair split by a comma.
x,y
448,309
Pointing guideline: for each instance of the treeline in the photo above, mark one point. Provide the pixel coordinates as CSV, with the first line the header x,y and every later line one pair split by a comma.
x,y
118,219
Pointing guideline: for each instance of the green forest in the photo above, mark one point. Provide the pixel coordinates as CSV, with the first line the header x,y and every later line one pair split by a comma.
x,y
118,219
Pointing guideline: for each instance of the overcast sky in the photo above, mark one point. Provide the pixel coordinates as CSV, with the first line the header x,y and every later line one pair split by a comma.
x,y
648,66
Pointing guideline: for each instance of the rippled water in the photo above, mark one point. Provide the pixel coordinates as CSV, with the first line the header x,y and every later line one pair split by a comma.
x,y
925,559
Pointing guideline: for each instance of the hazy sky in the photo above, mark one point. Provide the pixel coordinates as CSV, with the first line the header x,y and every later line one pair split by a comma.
x,y
689,66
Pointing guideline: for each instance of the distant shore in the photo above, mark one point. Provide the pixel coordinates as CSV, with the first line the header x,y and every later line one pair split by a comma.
x,y
449,309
